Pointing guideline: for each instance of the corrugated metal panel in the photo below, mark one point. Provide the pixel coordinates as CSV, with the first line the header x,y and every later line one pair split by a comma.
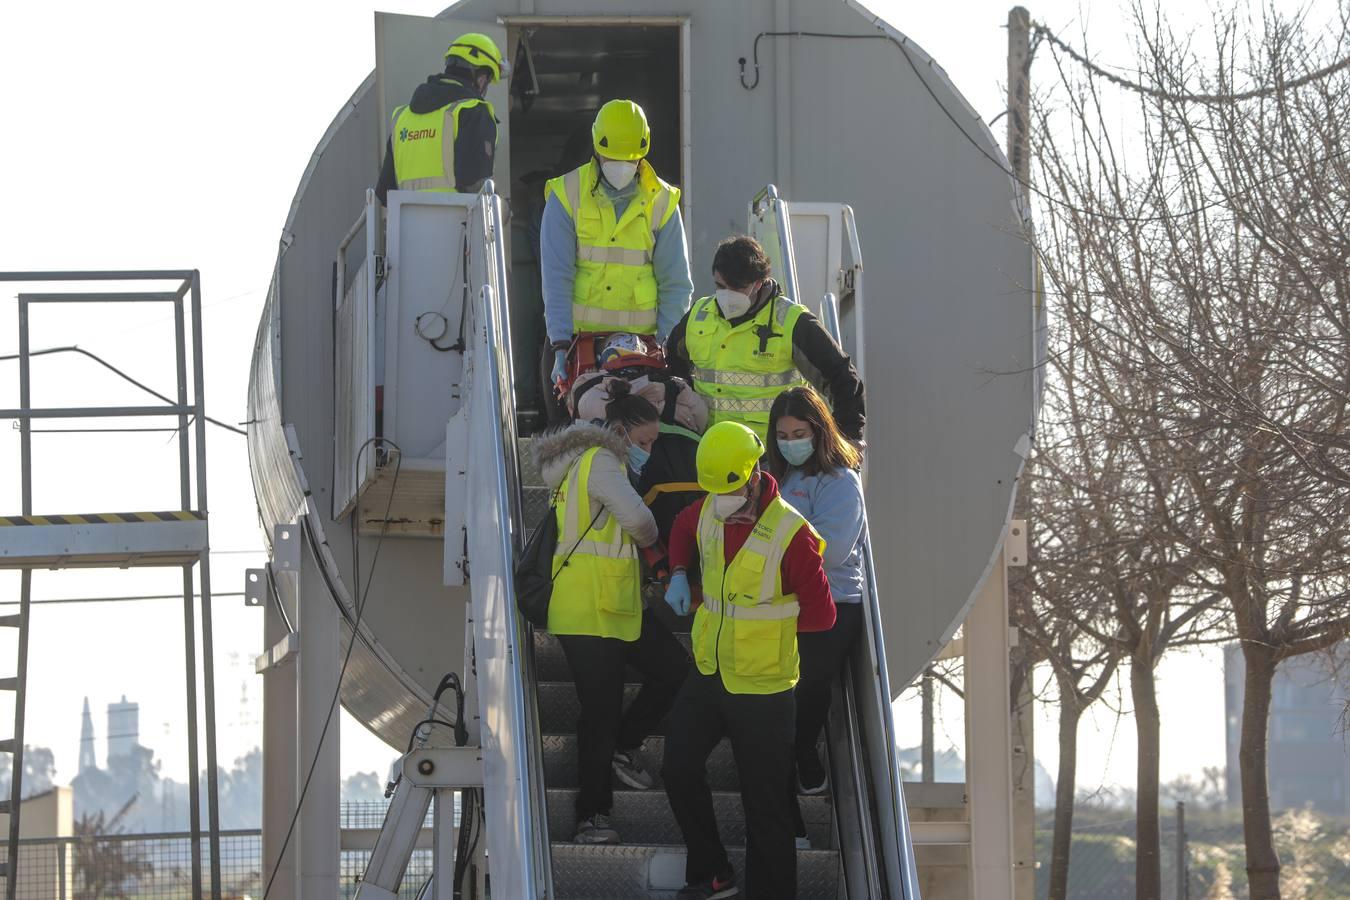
x,y
412,630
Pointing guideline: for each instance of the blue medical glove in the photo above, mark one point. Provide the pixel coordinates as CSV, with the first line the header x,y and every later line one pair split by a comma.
x,y
677,594
559,366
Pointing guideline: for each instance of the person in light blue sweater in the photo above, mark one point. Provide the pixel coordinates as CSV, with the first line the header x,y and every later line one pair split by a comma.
x,y
558,263
818,470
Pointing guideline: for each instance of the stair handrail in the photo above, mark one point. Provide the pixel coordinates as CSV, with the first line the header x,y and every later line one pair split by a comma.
x,y
768,201
525,712
874,647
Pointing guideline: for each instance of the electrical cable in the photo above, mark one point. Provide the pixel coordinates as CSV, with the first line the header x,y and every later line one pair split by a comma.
x,y
1186,97
361,596
122,599
429,720
470,832
460,345
123,375
754,48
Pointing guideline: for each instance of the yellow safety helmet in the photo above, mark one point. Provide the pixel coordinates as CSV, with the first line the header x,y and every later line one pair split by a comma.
x,y
620,131
726,457
479,50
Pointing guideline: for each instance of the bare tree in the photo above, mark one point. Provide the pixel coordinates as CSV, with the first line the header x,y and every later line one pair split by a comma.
x,y
1203,251
104,868
1113,581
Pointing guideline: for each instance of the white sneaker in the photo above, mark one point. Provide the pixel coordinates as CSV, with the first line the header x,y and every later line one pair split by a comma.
x,y
628,766
596,830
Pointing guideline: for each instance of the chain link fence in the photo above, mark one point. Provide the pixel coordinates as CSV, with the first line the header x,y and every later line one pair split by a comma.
x,y
1206,860
159,867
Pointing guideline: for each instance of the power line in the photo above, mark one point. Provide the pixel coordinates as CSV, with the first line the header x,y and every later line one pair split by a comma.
x,y
1207,99
359,598
116,371
901,44
123,599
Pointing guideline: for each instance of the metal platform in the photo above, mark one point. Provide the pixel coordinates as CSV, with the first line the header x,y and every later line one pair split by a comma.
x,y
119,540
175,538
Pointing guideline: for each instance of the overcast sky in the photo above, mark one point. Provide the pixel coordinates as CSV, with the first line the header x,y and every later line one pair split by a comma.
x,y
172,134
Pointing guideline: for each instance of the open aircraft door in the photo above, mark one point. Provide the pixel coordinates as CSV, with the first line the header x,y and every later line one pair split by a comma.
x,y
409,48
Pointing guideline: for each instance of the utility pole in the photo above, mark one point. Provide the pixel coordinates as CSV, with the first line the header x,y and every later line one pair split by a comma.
x,y
926,761
1020,677
1183,854
1019,92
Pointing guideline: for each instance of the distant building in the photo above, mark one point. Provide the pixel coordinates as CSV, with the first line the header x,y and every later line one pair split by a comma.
x,y
124,722
1308,760
88,759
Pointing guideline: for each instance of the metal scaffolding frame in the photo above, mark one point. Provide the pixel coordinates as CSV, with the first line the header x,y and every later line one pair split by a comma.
x,y
108,536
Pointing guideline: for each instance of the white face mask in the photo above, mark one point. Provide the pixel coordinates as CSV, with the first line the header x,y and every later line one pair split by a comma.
x,y
726,505
733,303
618,173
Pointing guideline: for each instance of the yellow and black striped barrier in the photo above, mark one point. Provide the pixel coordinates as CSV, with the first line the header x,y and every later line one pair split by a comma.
x,y
104,518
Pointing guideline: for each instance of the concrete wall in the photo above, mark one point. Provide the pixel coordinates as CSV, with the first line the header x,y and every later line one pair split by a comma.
x,y
44,867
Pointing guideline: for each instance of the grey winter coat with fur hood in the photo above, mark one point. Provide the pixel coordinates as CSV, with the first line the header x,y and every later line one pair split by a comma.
x,y
557,451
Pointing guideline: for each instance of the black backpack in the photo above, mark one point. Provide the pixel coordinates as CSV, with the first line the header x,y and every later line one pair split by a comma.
x,y
534,571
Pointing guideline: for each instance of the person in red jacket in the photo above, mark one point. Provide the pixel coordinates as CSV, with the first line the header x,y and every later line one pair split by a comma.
x,y
763,580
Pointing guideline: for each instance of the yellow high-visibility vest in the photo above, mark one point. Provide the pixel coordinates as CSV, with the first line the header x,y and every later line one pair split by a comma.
x,y
599,589
740,370
746,628
424,145
615,285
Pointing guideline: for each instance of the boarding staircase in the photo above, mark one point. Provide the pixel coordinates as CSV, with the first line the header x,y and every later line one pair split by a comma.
x,y
846,859
650,861
527,704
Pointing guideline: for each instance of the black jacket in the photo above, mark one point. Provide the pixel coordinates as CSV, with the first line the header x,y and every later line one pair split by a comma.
x,y
475,145
816,355
672,465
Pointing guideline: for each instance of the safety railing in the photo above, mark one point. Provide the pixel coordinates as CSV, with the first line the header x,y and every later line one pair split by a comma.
x,y
877,786
771,227
357,358
528,752
851,292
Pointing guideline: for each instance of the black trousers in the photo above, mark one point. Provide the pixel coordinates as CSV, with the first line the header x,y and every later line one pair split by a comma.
x,y
760,727
598,667
822,654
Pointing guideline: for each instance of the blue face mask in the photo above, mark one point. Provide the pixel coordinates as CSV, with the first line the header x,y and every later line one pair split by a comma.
x,y
796,452
637,457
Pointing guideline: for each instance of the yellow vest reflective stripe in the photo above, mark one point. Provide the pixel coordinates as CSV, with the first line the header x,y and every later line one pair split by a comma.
x,y
424,160
740,371
615,285
598,591
746,628
770,613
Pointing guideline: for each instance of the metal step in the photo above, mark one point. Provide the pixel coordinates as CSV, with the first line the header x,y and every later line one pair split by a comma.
x,y
551,665
534,502
559,707
529,472
656,872
7,746
9,684
644,817
14,621
560,762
